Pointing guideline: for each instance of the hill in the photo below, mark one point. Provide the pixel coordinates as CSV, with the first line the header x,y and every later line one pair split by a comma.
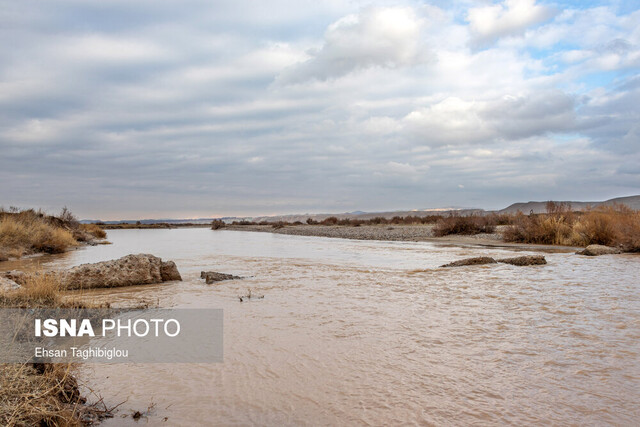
x,y
540,207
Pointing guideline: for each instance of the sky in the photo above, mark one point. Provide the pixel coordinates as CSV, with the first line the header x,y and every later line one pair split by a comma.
x,y
190,108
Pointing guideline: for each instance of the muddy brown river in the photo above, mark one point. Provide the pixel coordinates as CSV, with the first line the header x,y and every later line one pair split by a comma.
x,y
373,333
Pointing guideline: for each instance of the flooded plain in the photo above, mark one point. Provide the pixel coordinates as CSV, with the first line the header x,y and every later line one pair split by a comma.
x,y
374,333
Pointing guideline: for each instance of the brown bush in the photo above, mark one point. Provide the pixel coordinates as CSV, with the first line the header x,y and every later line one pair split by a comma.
x,y
541,229
456,224
332,220
611,226
216,224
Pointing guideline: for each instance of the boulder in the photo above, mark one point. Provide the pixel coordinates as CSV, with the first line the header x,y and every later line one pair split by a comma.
x,y
471,261
15,276
525,260
169,271
212,276
130,270
595,250
7,285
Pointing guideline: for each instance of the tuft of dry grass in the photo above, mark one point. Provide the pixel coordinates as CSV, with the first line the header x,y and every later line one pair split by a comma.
x,y
30,231
95,230
44,290
36,290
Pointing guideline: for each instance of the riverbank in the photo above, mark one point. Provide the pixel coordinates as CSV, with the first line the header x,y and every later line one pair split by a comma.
x,y
403,233
30,232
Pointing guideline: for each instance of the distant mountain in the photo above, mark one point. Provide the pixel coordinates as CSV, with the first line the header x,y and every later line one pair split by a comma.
x,y
367,215
540,207
537,207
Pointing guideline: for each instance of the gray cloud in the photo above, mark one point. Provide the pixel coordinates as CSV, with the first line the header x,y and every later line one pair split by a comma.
x,y
455,121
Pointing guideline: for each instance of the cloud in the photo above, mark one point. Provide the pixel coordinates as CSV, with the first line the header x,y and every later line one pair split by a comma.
x,y
376,37
456,121
510,18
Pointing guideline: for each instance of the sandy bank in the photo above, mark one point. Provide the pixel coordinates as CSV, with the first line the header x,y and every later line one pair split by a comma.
x,y
405,233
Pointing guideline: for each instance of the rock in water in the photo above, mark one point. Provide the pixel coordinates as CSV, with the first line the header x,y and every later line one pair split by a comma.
x,y
471,261
212,276
130,270
525,260
169,271
595,250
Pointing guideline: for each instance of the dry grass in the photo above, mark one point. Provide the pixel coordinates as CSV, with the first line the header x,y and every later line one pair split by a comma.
x,y
30,232
39,395
95,230
37,290
612,226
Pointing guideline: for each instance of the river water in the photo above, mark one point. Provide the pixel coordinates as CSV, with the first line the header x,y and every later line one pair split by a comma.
x,y
373,333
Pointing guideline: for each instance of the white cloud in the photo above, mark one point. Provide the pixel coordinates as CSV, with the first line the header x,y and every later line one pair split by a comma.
x,y
383,37
512,17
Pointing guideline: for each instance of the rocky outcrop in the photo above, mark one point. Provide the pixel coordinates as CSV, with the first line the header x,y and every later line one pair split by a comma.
x,y
595,250
130,270
471,261
524,260
212,276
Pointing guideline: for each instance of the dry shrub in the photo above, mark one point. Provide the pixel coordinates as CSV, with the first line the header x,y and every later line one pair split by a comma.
x,y
597,228
553,228
217,224
95,230
615,225
611,226
542,229
456,224
332,220
628,227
